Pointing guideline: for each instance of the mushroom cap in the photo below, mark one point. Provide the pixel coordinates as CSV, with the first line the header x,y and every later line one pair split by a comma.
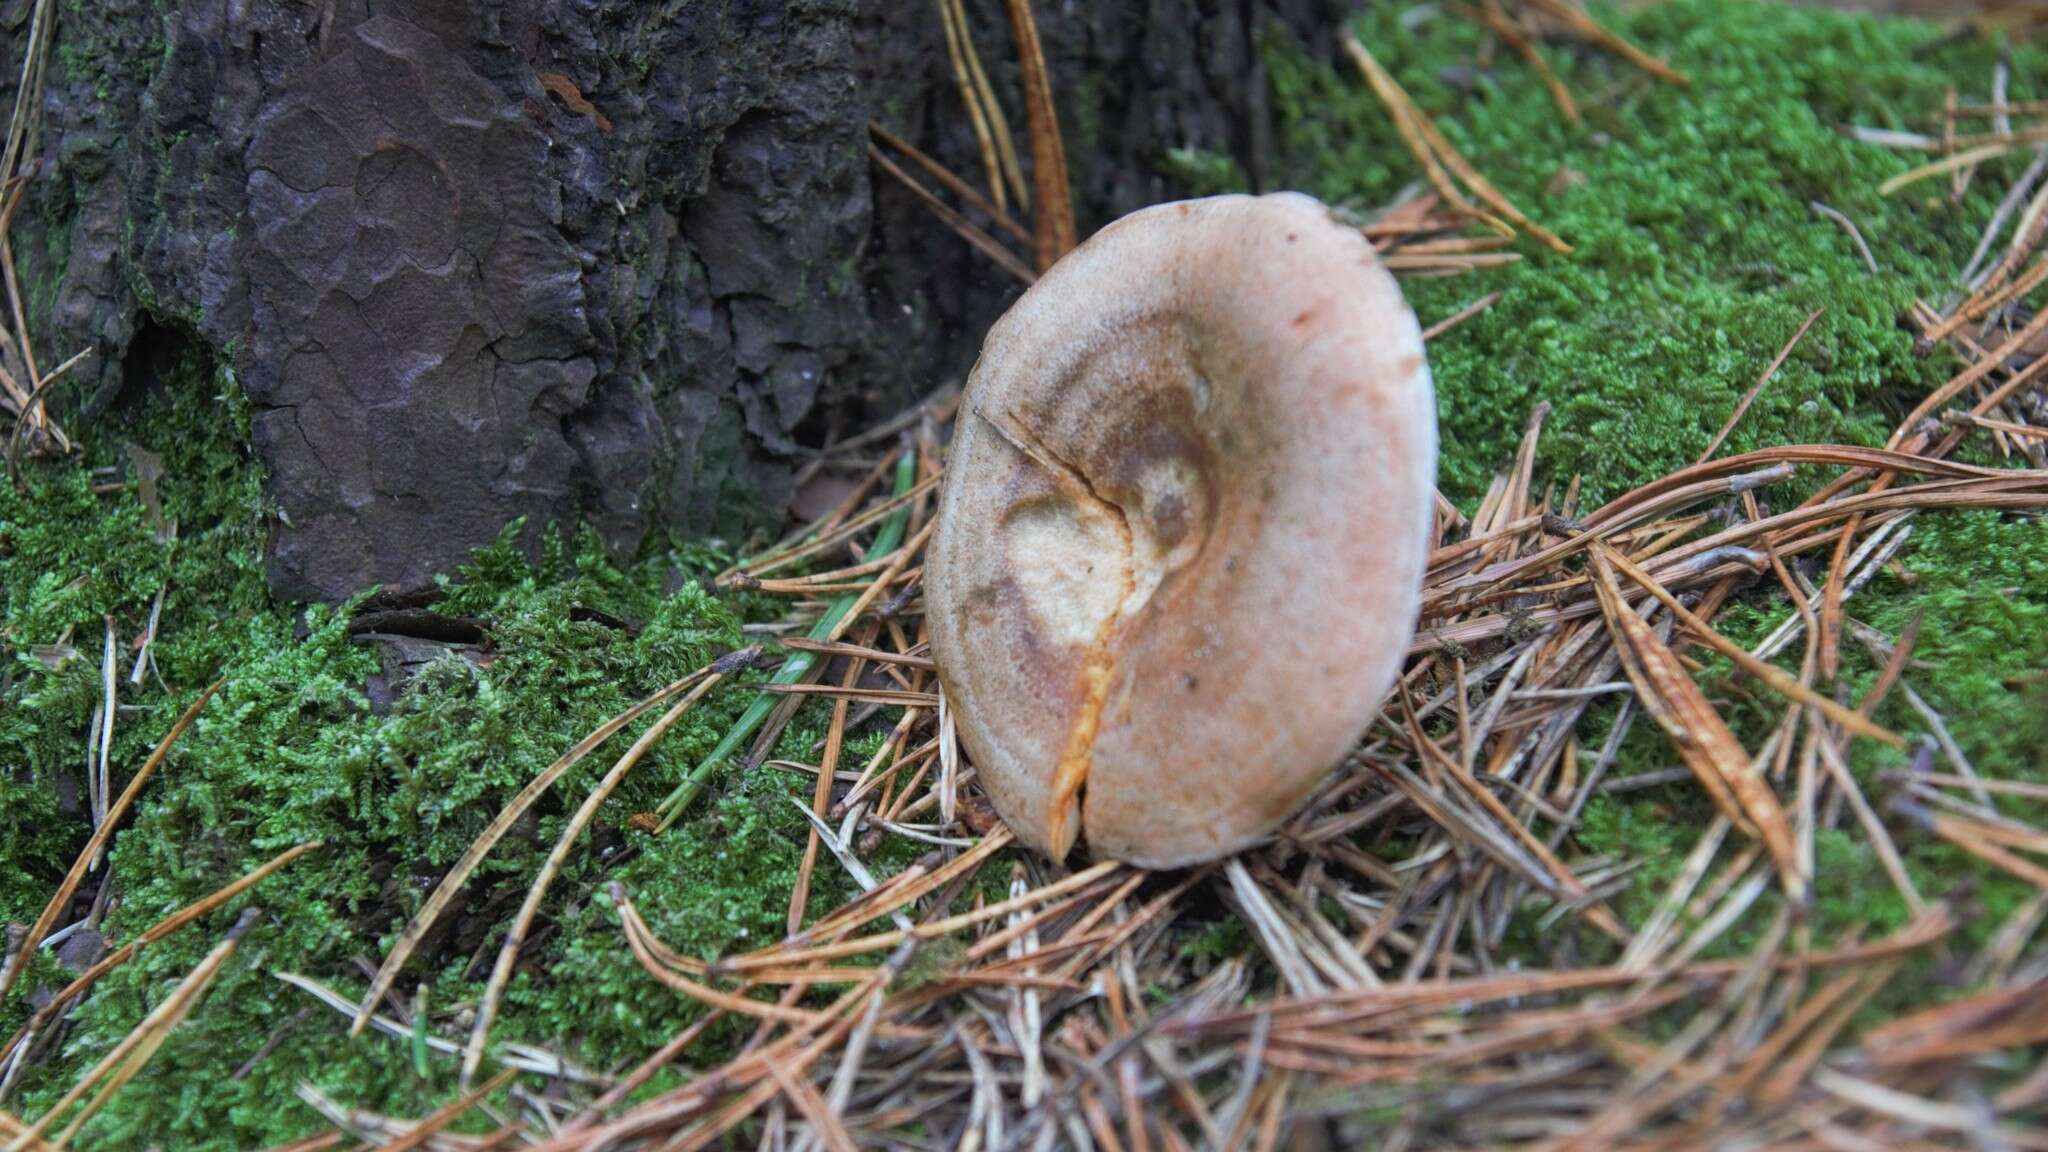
x,y
1184,526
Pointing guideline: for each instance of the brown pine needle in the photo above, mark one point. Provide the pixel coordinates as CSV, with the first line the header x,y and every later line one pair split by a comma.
x,y
508,953
1788,1076
1972,376
1052,200
1880,840
151,935
1494,18
995,211
1305,1012
1596,913
35,413
981,241
838,536
93,847
648,952
2015,1017
1946,164
11,1127
1894,665
1906,435
1435,153
884,941
445,892
1766,1055
321,1143
1749,397
1481,186
1446,265
1597,33
864,695
954,21
632,1082
1984,303
823,1123
872,655
1969,836
1006,146
2024,431
1781,681
448,1114
1678,706
1401,111
821,796
134,1050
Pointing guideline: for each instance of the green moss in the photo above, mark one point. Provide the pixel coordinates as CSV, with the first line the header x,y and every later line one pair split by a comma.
x,y
1218,940
1080,113
1697,253
1979,582
1638,829
291,751
71,560
1202,173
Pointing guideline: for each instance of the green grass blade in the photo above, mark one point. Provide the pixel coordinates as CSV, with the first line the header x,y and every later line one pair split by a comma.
x,y
887,539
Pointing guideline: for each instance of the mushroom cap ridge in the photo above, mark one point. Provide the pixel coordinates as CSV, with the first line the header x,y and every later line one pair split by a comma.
x,y
1184,527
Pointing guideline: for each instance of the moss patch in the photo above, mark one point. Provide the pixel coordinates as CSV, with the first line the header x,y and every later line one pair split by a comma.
x,y
292,750
1697,250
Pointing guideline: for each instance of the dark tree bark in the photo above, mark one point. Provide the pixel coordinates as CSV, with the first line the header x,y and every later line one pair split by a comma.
x,y
569,260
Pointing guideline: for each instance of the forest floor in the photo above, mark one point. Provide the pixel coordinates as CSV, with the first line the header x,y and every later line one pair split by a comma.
x,y
1707,222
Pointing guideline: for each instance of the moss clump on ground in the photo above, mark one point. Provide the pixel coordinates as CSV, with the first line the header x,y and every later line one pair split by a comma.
x,y
1698,254
292,750
1697,250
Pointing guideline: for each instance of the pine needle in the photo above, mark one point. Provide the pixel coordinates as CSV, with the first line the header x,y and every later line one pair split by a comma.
x,y
828,627
508,953
1702,738
97,843
1052,200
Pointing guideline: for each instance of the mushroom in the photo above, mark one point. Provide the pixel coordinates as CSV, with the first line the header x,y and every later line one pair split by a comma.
x,y
1183,532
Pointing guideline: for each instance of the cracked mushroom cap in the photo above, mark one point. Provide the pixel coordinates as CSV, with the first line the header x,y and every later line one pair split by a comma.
x,y
1183,531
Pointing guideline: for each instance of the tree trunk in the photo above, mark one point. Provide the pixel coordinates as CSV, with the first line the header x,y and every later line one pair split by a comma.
x,y
577,261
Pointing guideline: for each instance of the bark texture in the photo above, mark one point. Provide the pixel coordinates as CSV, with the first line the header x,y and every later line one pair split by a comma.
x,y
577,261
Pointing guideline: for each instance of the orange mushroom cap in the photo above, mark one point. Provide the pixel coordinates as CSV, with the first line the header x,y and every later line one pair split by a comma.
x,y
1183,531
